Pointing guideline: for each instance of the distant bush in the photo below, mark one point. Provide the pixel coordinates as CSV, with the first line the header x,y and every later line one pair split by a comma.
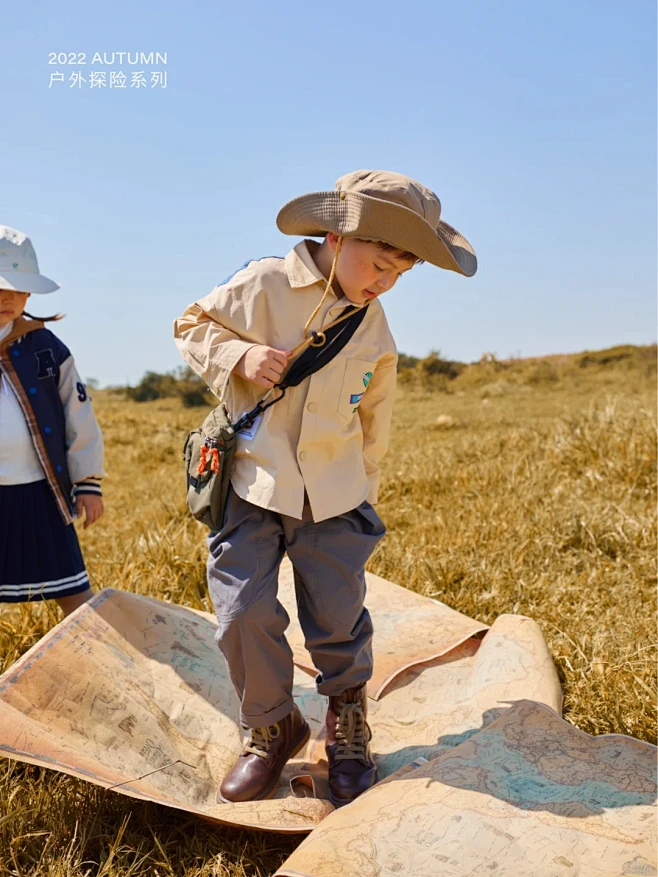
x,y
405,361
181,383
433,372
435,364
194,398
543,372
627,353
153,386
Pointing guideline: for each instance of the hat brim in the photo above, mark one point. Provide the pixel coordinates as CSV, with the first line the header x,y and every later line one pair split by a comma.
x,y
20,281
363,216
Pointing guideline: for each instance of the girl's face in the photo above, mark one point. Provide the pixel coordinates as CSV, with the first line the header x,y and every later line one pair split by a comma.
x,y
364,271
12,305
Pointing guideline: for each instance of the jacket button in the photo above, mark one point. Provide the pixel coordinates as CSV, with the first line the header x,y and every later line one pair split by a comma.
x,y
47,430
59,468
33,391
15,352
312,406
302,455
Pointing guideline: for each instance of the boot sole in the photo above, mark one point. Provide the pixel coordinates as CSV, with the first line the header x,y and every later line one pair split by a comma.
x,y
270,789
341,802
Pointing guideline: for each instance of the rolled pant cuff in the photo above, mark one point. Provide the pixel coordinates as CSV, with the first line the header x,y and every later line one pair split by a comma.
x,y
334,687
264,720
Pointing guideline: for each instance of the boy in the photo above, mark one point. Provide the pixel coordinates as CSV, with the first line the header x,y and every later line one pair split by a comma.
x,y
305,477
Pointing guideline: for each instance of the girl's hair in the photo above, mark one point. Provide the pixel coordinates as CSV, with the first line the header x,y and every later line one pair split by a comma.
x,y
44,319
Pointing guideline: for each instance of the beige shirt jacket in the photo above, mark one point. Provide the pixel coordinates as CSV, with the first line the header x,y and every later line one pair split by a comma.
x,y
328,435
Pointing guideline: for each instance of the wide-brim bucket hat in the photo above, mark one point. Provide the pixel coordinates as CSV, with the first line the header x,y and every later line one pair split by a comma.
x,y
382,206
19,269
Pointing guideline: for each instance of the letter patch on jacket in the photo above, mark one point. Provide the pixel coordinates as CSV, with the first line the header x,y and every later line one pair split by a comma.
x,y
46,364
355,398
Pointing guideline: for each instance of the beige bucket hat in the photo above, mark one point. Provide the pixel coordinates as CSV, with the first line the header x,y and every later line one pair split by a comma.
x,y
382,206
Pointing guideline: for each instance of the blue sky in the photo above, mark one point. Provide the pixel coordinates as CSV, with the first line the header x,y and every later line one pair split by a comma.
x,y
533,122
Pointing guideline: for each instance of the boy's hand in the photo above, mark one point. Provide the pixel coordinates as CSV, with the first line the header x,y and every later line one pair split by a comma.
x,y
92,505
263,365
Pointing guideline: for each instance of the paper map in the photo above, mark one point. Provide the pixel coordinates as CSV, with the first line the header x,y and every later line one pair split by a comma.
x,y
132,694
528,795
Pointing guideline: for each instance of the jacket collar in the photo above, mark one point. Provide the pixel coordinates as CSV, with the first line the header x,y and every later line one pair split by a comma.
x,y
300,267
21,327
302,272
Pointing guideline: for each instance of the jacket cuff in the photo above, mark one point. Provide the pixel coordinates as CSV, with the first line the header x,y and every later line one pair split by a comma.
x,y
88,487
232,353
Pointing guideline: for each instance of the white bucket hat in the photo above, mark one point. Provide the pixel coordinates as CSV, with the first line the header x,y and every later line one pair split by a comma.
x,y
382,206
19,269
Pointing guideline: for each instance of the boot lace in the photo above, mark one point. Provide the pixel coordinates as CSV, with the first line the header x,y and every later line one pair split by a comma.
x,y
261,740
352,732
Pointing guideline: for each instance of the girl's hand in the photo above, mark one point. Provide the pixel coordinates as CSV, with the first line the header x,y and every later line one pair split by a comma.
x,y
263,365
92,505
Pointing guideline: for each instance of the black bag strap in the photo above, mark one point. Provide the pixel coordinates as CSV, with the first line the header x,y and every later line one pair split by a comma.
x,y
311,360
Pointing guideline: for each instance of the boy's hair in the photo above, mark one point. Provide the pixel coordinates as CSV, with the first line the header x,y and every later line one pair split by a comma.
x,y
401,254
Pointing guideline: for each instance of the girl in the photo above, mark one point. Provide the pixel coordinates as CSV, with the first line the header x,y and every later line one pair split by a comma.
x,y
51,447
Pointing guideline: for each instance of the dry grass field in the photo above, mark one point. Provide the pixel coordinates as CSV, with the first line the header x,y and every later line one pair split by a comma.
x,y
524,487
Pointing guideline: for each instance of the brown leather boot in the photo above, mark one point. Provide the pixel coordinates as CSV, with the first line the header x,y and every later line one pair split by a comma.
x,y
255,775
351,766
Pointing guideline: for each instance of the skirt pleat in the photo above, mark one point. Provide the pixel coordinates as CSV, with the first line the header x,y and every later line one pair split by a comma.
x,y
40,556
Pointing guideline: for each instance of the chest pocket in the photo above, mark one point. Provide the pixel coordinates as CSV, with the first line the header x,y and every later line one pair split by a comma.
x,y
358,374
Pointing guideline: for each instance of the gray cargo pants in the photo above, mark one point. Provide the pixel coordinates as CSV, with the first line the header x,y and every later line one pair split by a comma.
x,y
329,560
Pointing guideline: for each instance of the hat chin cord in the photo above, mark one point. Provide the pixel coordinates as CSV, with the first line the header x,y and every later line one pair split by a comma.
x,y
313,338
318,338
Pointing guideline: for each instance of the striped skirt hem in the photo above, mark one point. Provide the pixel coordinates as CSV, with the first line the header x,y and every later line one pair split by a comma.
x,y
40,557
65,587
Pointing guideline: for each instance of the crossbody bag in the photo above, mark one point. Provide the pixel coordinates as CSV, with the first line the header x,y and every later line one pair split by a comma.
x,y
210,449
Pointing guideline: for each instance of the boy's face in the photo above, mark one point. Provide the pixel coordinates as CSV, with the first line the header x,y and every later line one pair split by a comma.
x,y
364,271
12,305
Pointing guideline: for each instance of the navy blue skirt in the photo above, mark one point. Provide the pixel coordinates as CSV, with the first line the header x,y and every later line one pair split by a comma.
x,y
40,557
